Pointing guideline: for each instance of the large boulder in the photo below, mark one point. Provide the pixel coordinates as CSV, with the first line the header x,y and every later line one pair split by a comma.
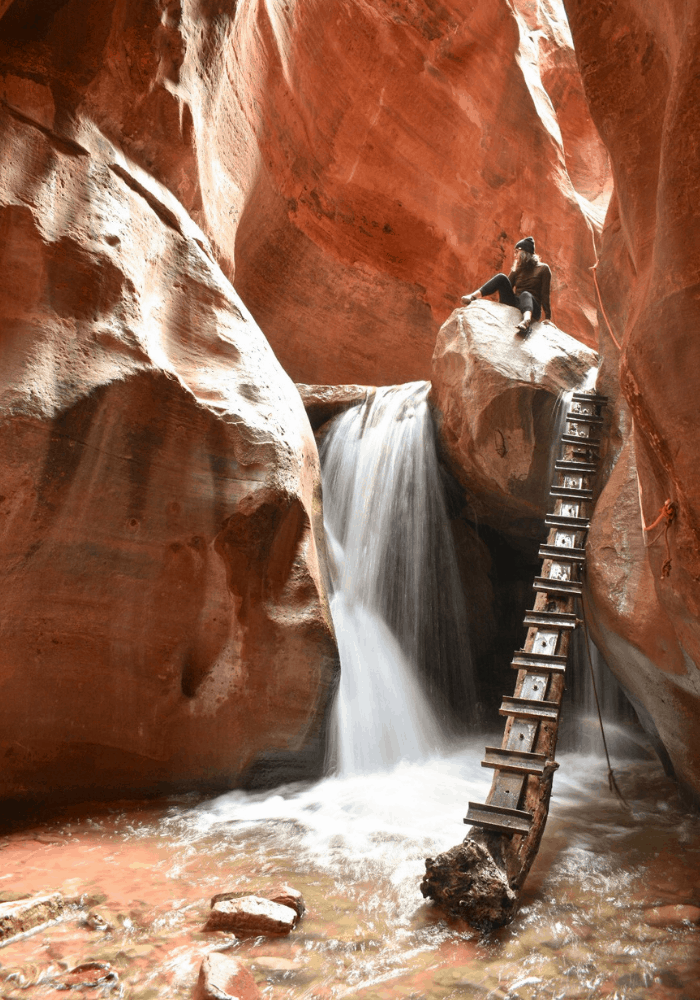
x,y
640,65
355,166
495,395
164,620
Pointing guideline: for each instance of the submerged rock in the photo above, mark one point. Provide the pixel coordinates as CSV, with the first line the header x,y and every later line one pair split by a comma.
x,y
663,916
88,975
494,395
251,915
222,977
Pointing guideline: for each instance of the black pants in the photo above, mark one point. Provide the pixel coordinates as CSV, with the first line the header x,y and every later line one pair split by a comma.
x,y
525,302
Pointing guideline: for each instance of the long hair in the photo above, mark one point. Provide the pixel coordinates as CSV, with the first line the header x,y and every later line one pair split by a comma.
x,y
527,259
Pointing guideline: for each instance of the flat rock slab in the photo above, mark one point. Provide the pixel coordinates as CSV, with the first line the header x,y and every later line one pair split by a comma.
x,y
251,915
286,895
25,914
325,401
222,977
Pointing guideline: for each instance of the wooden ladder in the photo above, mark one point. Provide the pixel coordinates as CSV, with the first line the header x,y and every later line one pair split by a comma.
x,y
517,804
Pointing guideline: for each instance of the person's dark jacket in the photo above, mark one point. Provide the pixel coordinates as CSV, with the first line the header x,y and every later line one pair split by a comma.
x,y
534,278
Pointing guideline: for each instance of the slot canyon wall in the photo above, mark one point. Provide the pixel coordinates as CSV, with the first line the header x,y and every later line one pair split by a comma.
x,y
165,624
351,169
640,66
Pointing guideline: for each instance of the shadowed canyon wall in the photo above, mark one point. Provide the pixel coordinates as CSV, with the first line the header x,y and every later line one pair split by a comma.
x,y
640,64
164,622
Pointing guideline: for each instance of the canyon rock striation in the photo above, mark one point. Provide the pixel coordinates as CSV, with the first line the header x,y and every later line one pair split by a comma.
x,y
356,166
640,65
164,619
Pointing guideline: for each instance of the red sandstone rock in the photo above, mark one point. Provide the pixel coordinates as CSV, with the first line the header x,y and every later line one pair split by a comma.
x,y
222,977
399,171
322,402
287,895
640,64
164,619
358,167
631,626
251,915
495,395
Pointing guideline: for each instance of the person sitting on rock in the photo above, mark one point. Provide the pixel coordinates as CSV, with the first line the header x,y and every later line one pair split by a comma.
x,y
530,277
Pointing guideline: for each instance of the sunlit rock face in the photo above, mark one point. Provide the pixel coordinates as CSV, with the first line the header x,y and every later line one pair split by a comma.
x,y
640,65
164,622
495,395
357,166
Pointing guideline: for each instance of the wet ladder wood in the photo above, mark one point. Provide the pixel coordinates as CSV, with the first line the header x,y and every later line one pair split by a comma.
x,y
515,801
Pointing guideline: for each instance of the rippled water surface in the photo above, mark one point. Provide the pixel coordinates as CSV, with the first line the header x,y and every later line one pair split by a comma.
x,y
355,847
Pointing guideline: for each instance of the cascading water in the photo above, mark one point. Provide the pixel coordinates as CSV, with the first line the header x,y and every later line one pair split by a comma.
x,y
397,600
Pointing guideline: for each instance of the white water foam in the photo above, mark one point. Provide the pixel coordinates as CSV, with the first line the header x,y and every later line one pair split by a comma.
x,y
397,605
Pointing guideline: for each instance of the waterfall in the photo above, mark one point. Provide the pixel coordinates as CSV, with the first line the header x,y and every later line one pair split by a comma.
x,y
614,704
397,600
561,408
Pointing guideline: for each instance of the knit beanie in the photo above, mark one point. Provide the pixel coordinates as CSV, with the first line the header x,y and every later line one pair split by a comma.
x,y
528,244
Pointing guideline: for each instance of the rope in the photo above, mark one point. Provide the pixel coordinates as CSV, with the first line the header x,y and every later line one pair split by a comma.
x,y
600,300
668,511
612,783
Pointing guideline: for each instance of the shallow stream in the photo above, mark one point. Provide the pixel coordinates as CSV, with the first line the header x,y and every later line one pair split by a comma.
x,y
355,847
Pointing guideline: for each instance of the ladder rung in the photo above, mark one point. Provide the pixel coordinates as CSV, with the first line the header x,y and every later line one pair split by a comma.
x,y
585,468
564,587
584,397
514,761
584,443
564,521
583,418
526,708
570,493
499,818
561,552
539,661
557,619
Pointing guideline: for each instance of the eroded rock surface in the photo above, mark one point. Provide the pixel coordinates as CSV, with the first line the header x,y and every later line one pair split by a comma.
x,y
164,619
640,64
357,167
495,396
